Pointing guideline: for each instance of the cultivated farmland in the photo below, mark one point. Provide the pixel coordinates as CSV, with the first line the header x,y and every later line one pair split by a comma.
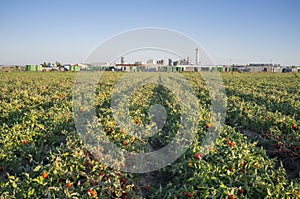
x,y
257,154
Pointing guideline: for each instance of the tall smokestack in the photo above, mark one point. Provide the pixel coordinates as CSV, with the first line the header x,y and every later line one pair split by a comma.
x,y
197,55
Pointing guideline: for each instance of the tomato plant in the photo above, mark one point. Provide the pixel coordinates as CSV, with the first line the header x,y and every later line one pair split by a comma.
x,y
42,156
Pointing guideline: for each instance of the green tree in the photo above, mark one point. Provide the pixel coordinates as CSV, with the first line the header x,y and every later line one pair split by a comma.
x,y
44,64
58,64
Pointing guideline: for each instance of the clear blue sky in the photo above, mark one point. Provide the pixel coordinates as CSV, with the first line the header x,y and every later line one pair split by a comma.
x,y
33,31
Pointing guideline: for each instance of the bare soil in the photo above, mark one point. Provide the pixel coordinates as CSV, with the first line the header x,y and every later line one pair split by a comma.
x,y
291,164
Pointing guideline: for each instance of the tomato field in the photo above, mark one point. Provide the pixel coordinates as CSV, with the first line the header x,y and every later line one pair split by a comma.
x,y
257,154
